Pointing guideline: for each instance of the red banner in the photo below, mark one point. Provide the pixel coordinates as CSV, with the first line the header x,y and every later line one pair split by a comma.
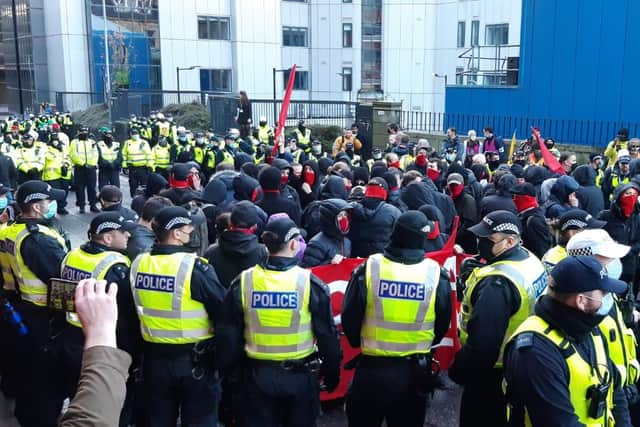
x,y
552,163
284,110
337,277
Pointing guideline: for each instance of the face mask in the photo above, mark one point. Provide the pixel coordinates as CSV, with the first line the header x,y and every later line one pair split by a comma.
x,y
263,123
524,202
377,156
493,165
435,232
284,179
53,208
135,137
573,166
433,174
614,269
163,143
395,165
421,159
485,248
343,224
317,149
456,190
200,141
309,176
82,137
451,158
473,138
302,245
606,305
627,204
4,202
108,139
522,163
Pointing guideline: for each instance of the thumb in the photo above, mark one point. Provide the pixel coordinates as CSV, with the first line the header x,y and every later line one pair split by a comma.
x,y
113,290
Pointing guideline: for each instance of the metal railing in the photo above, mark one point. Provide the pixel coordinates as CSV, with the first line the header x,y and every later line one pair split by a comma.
x,y
595,133
319,113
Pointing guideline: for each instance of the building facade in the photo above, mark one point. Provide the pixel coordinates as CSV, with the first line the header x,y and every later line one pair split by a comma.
x,y
342,48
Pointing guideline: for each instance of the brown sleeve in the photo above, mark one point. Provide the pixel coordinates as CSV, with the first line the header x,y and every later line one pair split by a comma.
x,y
101,390
357,144
337,146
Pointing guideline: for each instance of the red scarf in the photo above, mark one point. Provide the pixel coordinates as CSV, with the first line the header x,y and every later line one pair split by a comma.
x,y
435,232
456,190
433,174
174,183
375,192
524,202
627,204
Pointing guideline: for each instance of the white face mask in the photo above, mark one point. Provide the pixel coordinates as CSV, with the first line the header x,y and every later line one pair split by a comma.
x,y
614,269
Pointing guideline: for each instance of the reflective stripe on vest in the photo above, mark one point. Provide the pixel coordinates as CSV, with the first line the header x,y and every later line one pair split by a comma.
x,y
161,286
9,281
78,265
530,280
264,132
276,313
400,312
304,139
135,153
31,288
622,345
615,181
553,256
109,153
162,156
582,375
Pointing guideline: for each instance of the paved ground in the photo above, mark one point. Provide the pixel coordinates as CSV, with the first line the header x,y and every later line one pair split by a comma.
x,y
443,410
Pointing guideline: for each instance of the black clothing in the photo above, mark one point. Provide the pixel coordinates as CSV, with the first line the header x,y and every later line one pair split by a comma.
x,y
558,202
138,176
274,202
495,299
625,231
234,252
127,213
333,188
108,177
536,235
8,172
444,203
371,226
85,179
180,196
468,213
42,254
330,241
141,240
496,202
589,195
546,394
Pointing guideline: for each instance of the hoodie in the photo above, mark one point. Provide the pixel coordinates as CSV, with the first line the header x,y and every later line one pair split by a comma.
x,y
333,188
306,198
501,199
330,241
589,195
558,202
234,252
246,188
371,226
444,203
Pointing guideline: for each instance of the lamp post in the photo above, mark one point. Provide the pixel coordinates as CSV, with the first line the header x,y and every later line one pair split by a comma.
x,y
107,72
178,69
276,70
443,76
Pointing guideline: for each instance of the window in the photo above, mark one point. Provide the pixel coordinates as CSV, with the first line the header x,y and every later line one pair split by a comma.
x,y
347,1
496,34
294,36
347,80
461,29
459,75
347,35
215,80
475,31
472,77
301,82
213,28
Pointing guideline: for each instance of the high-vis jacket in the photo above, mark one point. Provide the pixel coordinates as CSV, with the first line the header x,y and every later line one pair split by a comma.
x,y
553,256
264,133
78,265
8,279
304,140
161,157
276,313
136,153
84,152
583,374
530,280
28,158
32,289
109,153
54,161
622,346
161,286
400,310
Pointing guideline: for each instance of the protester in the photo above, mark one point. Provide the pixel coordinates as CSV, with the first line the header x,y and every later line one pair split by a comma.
x,y
536,236
331,245
588,194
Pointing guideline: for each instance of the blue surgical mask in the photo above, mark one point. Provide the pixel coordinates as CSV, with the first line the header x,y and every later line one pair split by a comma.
x,y
4,202
607,304
53,208
614,269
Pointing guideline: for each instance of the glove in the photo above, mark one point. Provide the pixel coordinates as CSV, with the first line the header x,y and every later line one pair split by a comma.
x,y
330,380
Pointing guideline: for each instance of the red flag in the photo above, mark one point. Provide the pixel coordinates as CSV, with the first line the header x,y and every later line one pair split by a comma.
x,y
552,163
284,109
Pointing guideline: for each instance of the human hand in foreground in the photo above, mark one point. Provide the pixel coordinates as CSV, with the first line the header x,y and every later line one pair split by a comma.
x,y
98,312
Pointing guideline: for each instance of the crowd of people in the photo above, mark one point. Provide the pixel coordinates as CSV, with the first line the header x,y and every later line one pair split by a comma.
x,y
224,321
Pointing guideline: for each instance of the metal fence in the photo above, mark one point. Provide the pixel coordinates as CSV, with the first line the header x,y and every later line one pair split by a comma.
x,y
319,113
565,131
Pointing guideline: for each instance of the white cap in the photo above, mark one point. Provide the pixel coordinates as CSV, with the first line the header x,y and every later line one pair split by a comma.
x,y
263,118
595,242
160,116
181,129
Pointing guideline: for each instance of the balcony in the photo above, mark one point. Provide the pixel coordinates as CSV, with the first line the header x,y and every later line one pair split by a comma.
x,y
495,65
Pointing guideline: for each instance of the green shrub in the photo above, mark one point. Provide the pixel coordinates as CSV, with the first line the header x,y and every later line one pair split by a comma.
x,y
94,117
192,116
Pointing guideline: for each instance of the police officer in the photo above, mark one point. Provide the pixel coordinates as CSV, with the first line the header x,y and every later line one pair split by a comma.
x,y
161,154
100,258
83,153
276,311
620,173
498,297
298,154
570,223
178,298
397,305
265,132
110,160
30,159
557,367
136,156
303,136
37,252
57,170
199,149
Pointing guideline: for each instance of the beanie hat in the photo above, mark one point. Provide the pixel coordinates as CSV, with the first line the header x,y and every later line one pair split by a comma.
x,y
269,178
410,231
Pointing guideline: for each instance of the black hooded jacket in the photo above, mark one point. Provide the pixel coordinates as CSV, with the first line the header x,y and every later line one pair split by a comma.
x,y
624,230
590,196
246,187
559,196
306,198
501,199
234,252
444,203
371,226
330,241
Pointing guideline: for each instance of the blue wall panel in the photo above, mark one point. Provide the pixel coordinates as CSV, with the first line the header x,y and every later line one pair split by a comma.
x,y
579,62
